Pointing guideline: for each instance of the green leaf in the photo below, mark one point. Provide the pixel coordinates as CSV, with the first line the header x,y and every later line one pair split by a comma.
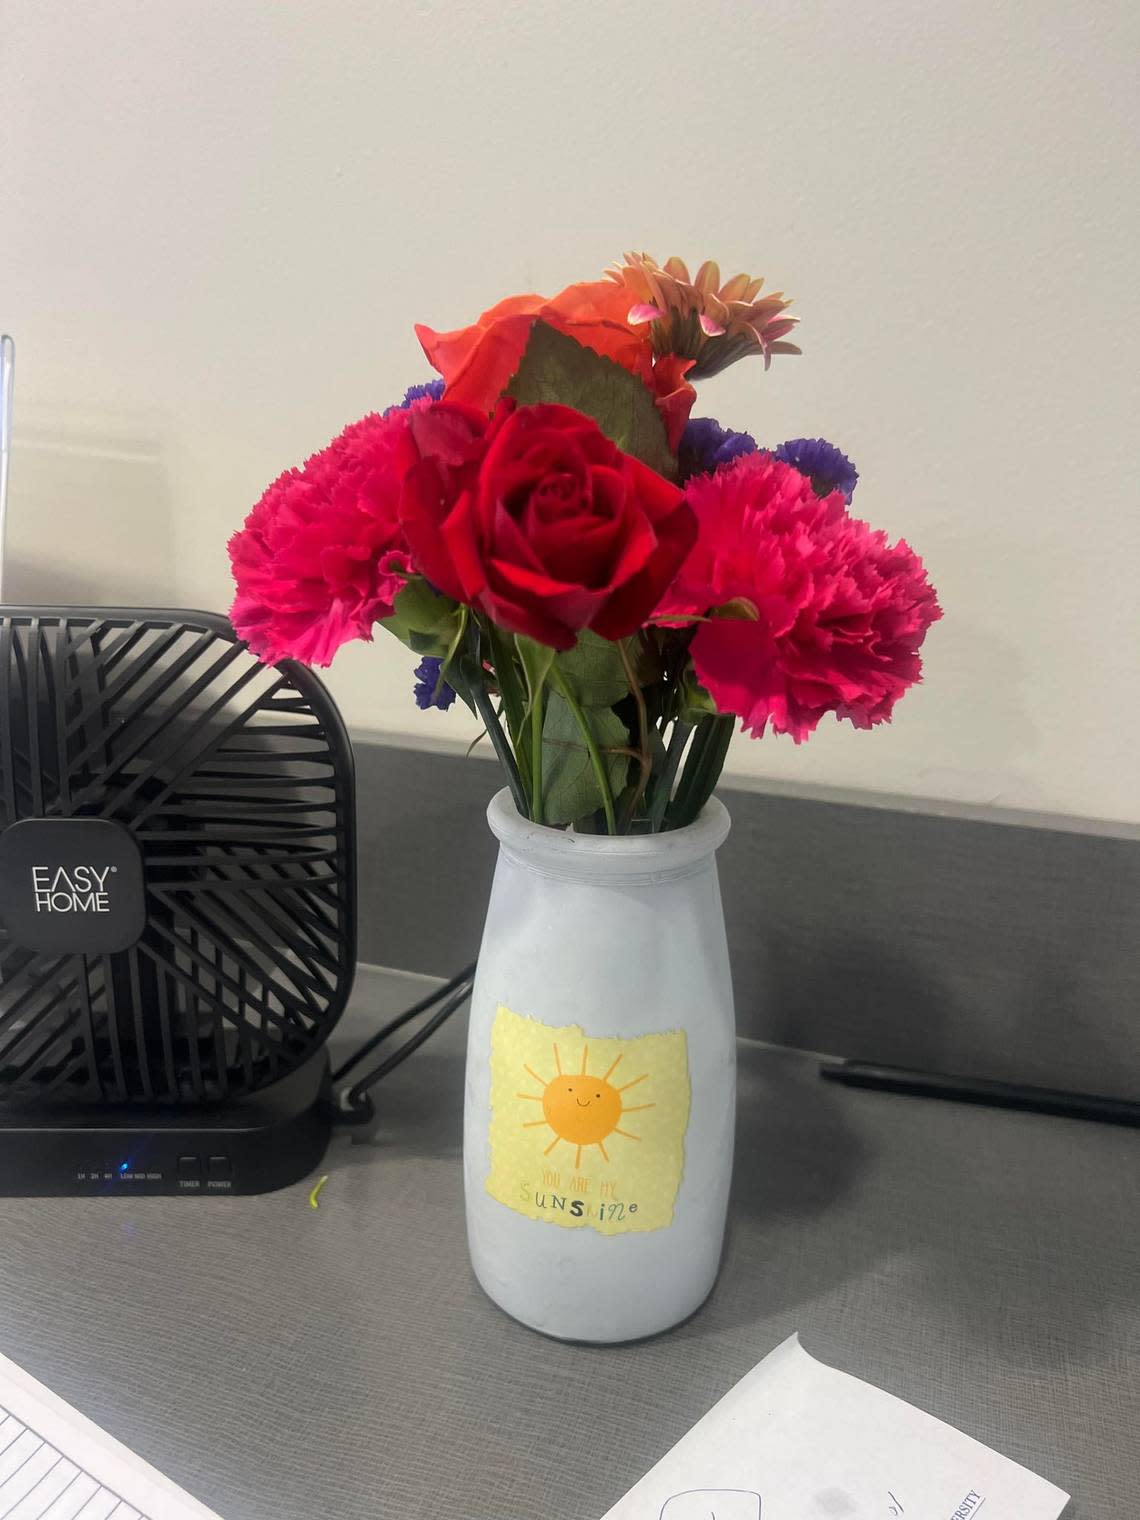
x,y
457,640
594,671
570,788
556,368
696,703
536,662
657,752
423,620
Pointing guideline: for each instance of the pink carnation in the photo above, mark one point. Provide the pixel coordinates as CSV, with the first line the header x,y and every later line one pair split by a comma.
x,y
321,556
827,617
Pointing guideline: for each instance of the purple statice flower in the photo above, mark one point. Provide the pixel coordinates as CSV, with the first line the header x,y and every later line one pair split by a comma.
x,y
429,690
705,446
430,390
823,464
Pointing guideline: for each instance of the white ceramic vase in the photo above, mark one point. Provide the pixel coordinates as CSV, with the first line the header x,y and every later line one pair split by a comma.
x,y
601,1078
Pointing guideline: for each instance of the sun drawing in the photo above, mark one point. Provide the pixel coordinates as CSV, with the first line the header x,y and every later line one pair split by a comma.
x,y
581,1109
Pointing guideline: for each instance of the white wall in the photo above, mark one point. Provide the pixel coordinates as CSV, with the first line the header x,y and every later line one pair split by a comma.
x,y
219,219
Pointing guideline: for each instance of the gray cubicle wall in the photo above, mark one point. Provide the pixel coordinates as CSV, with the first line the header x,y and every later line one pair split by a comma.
x,y
999,946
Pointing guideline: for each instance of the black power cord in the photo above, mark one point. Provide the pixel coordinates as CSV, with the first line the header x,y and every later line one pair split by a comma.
x,y
1038,1100
355,1106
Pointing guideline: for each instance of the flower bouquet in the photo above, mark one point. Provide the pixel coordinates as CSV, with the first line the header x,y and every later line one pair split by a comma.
x,y
609,584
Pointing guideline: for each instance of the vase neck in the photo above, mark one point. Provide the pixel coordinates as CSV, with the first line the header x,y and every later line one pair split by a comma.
x,y
632,858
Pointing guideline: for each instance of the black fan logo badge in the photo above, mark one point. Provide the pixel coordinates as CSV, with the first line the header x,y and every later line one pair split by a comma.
x,y
71,885
82,889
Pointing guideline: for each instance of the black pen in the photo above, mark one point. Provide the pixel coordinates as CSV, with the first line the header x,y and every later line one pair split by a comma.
x,y
925,1084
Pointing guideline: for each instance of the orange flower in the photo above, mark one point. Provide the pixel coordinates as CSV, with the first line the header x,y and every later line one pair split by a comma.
x,y
673,394
477,362
698,318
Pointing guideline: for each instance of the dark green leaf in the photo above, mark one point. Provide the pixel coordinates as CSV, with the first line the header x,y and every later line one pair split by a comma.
x,y
570,788
594,671
657,750
423,620
556,368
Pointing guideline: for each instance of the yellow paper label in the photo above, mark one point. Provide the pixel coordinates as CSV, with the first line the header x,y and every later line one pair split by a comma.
x,y
587,1132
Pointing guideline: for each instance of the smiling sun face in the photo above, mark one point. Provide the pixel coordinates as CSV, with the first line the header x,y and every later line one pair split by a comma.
x,y
581,1109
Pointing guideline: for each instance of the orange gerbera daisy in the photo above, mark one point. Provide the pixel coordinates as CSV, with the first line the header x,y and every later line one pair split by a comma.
x,y
699,318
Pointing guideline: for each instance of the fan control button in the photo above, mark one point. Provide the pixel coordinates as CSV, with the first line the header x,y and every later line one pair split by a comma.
x,y
190,1171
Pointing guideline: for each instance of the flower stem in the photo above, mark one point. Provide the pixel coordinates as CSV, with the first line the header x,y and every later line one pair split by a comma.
x,y
663,786
645,759
679,803
477,682
536,713
702,769
591,744
514,700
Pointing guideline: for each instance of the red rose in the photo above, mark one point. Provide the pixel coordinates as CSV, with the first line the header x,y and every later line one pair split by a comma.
x,y
543,524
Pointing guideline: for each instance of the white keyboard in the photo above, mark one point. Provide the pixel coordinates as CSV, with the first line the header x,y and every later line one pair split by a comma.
x,y
55,1464
37,1482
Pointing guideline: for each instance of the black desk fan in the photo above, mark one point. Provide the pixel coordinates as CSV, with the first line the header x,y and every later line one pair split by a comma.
x,y
177,893
177,901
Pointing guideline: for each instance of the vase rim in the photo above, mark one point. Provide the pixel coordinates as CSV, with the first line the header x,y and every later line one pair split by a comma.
x,y
562,852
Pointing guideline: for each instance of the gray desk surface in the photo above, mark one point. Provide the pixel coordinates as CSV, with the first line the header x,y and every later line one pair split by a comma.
x,y
337,1365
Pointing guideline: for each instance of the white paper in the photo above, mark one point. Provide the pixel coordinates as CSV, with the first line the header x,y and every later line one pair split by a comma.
x,y
56,1465
795,1440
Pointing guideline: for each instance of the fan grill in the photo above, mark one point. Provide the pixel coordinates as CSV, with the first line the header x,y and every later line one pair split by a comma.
x,y
235,780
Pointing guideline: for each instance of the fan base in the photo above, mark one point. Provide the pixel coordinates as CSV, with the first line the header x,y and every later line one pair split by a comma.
x,y
254,1144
